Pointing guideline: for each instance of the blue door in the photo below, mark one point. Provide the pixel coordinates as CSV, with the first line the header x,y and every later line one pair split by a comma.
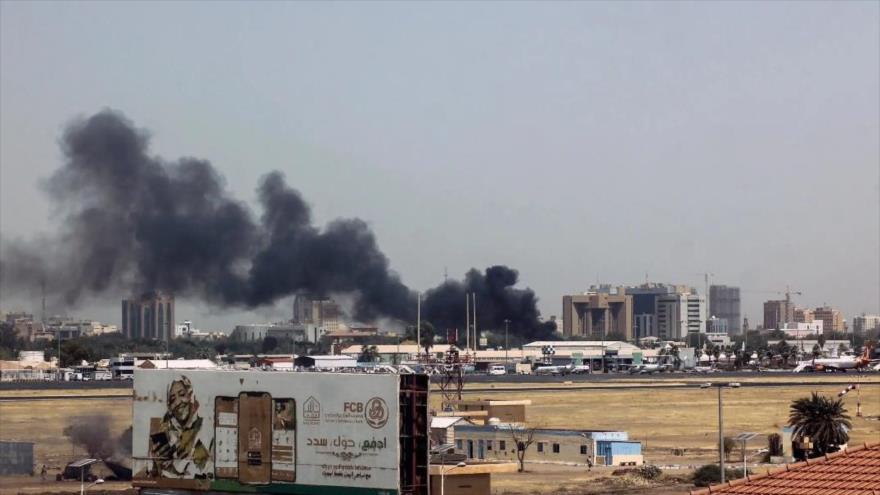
x,y
481,449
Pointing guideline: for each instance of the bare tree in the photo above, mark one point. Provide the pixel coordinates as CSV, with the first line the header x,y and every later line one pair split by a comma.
x,y
523,437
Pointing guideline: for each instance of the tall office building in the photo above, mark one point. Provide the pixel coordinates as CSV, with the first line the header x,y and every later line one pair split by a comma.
x,y
832,320
724,304
597,314
679,315
865,323
644,304
323,313
778,313
150,316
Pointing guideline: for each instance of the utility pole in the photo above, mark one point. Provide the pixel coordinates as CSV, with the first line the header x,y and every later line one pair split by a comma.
x,y
467,320
506,344
418,326
720,435
476,344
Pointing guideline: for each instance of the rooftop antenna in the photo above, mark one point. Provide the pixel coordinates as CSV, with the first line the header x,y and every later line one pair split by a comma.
x,y
445,275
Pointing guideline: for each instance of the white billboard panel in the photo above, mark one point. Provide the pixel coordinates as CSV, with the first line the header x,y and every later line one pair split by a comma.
x,y
231,430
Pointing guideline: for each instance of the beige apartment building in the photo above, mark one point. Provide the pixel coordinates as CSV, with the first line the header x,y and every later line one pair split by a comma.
x,y
832,320
803,315
778,313
597,314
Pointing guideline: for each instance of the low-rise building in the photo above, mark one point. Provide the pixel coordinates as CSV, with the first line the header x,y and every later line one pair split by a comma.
x,y
799,330
258,332
506,411
598,448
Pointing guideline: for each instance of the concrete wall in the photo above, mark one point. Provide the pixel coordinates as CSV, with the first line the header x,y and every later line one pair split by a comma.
x,y
462,484
16,458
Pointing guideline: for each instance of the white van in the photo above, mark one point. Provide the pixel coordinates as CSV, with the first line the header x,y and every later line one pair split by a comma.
x,y
497,369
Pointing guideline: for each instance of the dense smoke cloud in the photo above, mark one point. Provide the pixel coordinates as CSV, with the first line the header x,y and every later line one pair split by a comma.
x,y
92,433
497,300
133,222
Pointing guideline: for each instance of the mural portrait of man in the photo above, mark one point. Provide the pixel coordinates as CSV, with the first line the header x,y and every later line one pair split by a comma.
x,y
175,446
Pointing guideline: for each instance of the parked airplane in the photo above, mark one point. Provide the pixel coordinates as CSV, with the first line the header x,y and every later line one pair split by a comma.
x,y
553,370
842,363
650,369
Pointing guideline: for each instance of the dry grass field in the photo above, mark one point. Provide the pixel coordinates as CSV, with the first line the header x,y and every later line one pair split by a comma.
x,y
663,419
684,418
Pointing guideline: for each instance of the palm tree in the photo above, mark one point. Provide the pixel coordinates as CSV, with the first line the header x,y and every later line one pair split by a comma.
x,y
822,419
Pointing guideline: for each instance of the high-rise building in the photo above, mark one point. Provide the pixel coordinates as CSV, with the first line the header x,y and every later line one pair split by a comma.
x,y
803,315
778,313
644,302
597,314
323,313
679,315
724,304
832,320
150,316
865,323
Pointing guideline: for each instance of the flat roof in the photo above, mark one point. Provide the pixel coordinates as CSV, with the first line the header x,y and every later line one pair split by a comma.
x,y
490,402
476,468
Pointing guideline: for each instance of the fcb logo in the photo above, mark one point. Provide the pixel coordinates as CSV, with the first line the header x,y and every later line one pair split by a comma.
x,y
376,412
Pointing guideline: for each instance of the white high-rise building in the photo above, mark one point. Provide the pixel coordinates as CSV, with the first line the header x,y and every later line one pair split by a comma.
x,y
679,315
864,323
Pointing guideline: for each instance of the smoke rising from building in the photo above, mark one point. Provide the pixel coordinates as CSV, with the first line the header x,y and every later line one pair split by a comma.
x,y
135,222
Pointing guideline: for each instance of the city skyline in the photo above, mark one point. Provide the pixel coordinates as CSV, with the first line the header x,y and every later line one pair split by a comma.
x,y
668,143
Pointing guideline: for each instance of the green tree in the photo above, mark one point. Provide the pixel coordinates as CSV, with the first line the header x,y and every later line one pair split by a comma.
x,y
822,419
269,344
369,354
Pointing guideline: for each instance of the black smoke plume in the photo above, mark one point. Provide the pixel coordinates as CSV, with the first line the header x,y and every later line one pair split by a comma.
x,y
133,222
136,222
497,300
92,434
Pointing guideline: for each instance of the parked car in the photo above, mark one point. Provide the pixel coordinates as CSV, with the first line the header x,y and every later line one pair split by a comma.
x,y
581,369
497,370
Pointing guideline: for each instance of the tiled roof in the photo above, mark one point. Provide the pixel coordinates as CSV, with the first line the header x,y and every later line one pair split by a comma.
x,y
854,471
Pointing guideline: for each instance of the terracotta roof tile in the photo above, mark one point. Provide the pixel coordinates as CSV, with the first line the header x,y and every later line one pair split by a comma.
x,y
854,471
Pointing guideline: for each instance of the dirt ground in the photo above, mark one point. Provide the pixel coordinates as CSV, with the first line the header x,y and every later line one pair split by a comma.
x,y
663,419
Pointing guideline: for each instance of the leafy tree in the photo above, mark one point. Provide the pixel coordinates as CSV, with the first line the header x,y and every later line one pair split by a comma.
x,y
729,445
823,420
369,354
426,334
270,343
73,353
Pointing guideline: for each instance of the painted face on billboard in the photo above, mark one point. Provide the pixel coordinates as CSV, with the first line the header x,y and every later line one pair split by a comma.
x,y
180,400
175,446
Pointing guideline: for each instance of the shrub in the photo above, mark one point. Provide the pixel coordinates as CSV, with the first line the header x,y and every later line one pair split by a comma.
x,y
650,472
711,474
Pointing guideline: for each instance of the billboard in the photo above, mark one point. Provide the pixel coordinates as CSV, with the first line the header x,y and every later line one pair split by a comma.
x,y
273,432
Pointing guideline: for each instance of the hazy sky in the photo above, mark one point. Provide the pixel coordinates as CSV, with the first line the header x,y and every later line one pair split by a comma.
x,y
576,141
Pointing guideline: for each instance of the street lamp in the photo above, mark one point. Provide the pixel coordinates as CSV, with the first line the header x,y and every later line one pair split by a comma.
x,y
745,437
506,345
443,475
83,488
719,386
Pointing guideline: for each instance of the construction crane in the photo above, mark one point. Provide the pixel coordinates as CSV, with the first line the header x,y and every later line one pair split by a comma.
x,y
787,292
